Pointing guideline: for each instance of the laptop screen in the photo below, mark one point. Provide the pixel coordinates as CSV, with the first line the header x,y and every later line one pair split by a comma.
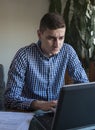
x,y
76,107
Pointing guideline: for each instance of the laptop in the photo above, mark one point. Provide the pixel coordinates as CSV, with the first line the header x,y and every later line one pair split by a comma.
x,y
75,109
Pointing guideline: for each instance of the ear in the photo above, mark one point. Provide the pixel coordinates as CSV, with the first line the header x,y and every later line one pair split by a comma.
x,y
39,34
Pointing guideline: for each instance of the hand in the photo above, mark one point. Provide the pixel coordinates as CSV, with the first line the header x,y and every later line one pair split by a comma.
x,y
44,105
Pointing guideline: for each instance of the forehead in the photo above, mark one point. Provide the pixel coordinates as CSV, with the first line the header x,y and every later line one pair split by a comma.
x,y
55,32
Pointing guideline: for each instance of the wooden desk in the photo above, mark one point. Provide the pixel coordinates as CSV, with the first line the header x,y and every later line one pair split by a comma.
x,y
15,120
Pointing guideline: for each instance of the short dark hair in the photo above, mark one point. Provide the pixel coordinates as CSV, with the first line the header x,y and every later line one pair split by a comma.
x,y
52,21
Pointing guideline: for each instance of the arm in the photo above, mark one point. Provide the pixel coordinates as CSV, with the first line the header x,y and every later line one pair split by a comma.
x,y
75,69
15,83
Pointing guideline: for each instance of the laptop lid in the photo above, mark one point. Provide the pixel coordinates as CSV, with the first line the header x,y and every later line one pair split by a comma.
x,y
76,107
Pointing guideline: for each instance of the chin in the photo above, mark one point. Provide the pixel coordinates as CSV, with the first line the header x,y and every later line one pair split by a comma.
x,y
54,53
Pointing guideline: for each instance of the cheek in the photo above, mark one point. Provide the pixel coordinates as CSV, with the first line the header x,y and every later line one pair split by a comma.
x,y
61,43
49,43
49,46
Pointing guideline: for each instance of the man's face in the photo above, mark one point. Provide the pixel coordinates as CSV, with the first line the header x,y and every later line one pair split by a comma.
x,y
51,40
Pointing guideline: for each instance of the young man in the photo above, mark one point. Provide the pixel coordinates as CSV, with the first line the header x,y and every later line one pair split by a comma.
x,y
37,71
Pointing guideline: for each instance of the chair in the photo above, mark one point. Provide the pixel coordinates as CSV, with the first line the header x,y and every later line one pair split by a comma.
x,y
2,87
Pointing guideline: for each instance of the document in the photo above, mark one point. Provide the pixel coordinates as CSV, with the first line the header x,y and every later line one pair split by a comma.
x,y
15,120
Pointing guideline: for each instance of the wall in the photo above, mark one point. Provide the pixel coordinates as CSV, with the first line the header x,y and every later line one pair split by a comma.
x,y
19,20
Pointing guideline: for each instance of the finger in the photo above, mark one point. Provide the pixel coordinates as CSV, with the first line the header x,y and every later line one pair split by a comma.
x,y
53,103
53,109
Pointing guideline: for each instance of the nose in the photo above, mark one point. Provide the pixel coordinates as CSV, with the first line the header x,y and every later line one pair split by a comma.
x,y
56,42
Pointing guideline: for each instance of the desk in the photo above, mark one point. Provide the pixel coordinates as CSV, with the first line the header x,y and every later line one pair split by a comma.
x,y
15,120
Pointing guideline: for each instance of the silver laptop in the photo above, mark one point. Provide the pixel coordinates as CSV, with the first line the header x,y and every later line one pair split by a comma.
x,y
75,109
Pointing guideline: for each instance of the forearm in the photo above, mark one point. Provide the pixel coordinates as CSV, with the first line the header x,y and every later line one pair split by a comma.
x,y
43,105
17,102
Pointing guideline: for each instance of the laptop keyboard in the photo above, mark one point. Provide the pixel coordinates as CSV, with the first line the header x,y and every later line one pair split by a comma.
x,y
46,120
42,121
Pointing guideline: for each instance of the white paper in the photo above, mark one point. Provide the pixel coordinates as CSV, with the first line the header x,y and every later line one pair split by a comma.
x,y
15,120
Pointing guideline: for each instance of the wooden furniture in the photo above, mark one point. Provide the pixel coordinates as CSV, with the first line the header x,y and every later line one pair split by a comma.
x,y
68,79
91,72
15,120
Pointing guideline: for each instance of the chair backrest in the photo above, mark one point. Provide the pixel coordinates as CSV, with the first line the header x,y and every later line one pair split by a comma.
x,y
2,86
1,75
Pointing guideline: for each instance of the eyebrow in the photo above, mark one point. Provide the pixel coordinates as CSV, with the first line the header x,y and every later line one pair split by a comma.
x,y
49,36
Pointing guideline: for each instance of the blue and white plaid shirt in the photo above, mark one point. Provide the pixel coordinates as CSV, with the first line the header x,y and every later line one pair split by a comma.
x,y
34,76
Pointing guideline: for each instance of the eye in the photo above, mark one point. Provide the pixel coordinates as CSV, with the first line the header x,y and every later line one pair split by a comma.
x,y
61,38
50,38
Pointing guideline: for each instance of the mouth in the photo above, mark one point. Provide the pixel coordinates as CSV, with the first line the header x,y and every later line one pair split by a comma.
x,y
55,49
